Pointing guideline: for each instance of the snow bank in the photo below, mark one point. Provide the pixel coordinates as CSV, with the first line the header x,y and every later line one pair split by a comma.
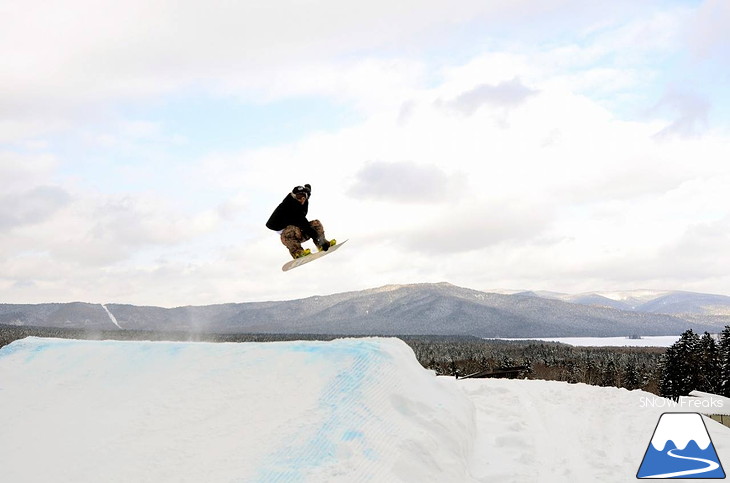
x,y
347,410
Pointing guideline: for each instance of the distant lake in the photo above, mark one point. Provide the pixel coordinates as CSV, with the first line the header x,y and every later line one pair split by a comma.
x,y
649,341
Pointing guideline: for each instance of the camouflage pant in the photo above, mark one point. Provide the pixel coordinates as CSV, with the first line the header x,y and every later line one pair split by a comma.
x,y
293,236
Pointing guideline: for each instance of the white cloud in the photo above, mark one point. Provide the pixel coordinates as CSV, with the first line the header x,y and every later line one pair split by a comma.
x,y
19,171
690,113
708,33
20,128
31,207
512,156
48,228
507,94
57,56
477,226
407,182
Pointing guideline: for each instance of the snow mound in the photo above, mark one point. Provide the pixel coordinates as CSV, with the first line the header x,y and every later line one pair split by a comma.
x,y
346,410
341,411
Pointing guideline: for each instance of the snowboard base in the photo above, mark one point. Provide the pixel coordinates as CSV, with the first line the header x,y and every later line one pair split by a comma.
x,y
297,262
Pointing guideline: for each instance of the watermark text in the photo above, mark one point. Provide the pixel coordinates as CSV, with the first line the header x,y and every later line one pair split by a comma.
x,y
688,403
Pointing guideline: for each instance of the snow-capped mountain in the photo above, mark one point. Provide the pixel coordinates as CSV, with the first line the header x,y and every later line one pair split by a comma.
x,y
417,309
648,301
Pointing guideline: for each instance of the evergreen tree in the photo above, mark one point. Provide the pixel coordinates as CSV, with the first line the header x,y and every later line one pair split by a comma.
x,y
679,367
632,378
708,370
669,378
609,374
724,362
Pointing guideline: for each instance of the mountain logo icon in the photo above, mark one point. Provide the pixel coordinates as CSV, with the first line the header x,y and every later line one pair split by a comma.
x,y
681,448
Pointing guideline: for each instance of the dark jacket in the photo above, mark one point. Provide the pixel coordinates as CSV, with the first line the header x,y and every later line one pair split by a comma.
x,y
291,212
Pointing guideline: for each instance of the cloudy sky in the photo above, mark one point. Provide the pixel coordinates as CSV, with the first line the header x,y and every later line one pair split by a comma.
x,y
559,145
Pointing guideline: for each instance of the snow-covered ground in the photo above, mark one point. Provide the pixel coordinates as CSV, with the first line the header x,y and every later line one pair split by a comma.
x,y
346,410
648,341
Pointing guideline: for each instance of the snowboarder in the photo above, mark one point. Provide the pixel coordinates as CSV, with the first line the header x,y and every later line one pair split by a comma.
x,y
289,219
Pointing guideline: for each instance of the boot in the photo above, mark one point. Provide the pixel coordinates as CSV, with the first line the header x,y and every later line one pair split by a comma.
x,y
324,245
302,253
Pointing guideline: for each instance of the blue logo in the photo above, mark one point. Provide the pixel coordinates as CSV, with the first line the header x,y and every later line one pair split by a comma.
x,y
681,448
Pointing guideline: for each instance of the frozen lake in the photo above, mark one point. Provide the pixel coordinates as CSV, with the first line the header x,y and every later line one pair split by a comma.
x,y
649,341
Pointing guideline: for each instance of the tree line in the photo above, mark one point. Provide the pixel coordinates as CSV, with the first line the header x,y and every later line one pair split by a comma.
x,y
696,363
627,367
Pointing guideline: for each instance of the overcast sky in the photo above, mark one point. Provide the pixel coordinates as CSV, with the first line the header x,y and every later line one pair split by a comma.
x,y
561,145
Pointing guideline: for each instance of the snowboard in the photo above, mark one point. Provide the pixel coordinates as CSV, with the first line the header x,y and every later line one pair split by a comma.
x,y
310,258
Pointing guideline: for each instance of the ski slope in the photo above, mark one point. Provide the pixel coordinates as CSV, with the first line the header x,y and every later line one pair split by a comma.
x,y
346,410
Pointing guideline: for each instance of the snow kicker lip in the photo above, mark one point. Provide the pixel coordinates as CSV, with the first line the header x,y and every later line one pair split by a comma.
x,y
342,410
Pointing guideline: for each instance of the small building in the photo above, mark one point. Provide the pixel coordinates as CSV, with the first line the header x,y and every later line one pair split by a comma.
x,y
713,406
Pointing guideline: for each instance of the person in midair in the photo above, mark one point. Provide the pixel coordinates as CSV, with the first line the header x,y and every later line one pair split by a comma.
x,y
290,220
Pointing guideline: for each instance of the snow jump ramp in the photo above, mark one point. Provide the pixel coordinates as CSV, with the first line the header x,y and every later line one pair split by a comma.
x,y
345,410
348,410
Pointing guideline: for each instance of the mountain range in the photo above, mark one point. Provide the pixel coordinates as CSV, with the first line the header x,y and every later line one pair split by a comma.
x,y
416,309
650,301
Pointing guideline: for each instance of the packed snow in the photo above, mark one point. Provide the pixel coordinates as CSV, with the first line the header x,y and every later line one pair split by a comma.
x,y
346,410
